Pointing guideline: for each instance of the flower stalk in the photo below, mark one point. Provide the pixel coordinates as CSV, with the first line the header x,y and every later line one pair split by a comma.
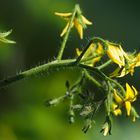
x,y
65,39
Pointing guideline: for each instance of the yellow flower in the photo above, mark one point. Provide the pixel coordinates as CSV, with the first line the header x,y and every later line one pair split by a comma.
x,y
4,39
116,110
79,22
99,51
131,61
131,95
115,54
93,54
117,98
137,60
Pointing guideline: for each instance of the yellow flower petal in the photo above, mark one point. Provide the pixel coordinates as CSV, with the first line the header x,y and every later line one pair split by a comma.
x,y
86,21
79,22
78,52
131,69
91,50
65,29
115,73
95,60
117,112
121,55
123,73
115,54
79,28
117,98
62,14
137,60
128,107
130,95
114,106
123,52
135,91
100,48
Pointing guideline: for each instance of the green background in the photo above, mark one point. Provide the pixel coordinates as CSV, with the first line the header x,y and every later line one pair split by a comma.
x,y
36,30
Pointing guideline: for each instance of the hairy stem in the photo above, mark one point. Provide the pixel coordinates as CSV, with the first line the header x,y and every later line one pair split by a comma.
x,y
34,71
50,66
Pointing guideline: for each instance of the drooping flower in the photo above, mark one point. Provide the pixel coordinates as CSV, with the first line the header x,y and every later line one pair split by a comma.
x,y
115,54
132,61
79,22
3,38
130,96
135,62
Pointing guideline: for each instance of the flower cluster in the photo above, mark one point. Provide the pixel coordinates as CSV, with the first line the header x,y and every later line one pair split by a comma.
x,y
97,55
120,101
79,22
118,97
126,61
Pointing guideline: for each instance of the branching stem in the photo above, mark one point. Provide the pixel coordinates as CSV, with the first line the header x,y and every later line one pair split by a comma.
x,y
44,69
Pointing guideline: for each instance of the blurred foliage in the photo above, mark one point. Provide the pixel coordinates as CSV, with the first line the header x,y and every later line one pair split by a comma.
x,y
23,115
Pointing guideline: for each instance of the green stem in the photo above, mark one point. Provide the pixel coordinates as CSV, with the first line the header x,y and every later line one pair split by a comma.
x,y
109,99
63,45
97,71
105,64
92,79
54,65
118,84
34,71
55,101
40,69
71,111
